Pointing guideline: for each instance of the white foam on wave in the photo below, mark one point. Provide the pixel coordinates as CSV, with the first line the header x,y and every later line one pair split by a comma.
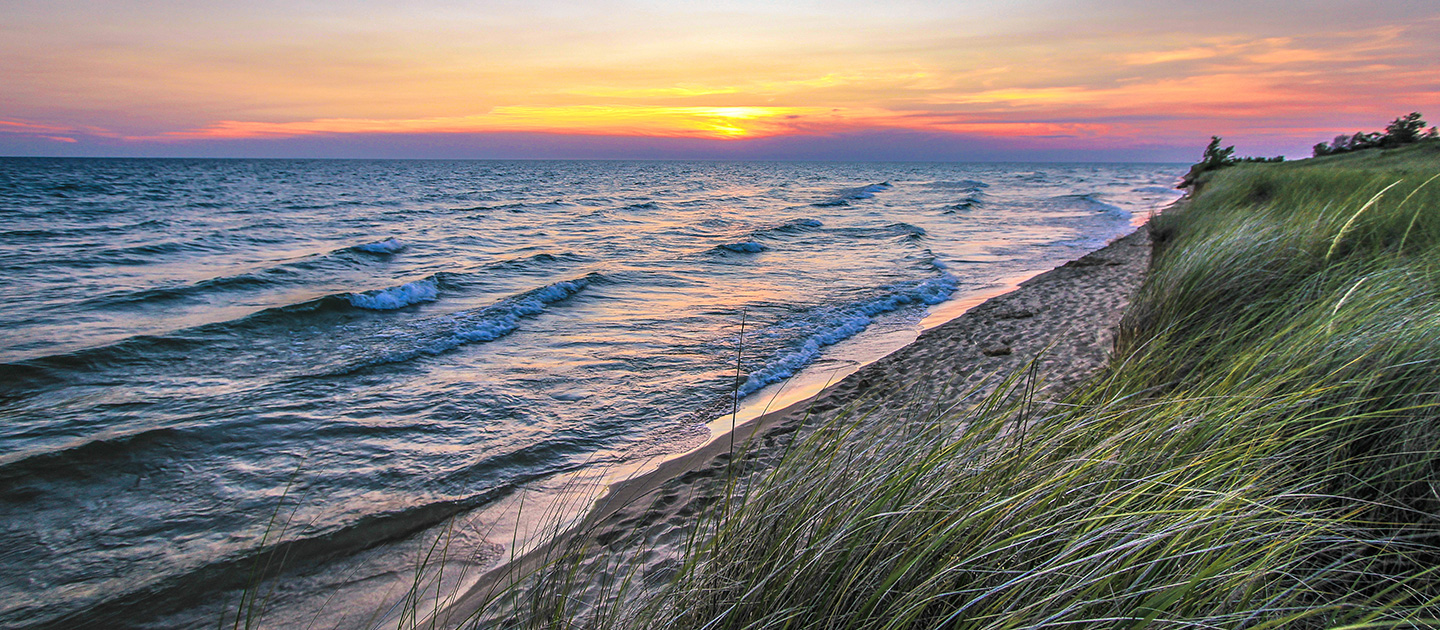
x,y
505,317
845,323
441,334
407,294
387,246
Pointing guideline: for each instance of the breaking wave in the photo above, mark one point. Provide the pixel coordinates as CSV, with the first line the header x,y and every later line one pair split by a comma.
x,y
444,333
838,324
408,294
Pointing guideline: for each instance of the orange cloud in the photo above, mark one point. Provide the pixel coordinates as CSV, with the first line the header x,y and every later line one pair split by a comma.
x,y
700,122
678,122
15,126
48,132
707,75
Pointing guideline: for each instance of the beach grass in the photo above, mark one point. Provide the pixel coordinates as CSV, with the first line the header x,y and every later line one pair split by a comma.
x,y
1263,452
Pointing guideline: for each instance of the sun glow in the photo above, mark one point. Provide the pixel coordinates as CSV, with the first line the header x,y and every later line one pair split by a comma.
x,y
748,72
680,122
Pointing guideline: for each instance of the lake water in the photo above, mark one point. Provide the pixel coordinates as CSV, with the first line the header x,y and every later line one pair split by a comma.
x,y
390,344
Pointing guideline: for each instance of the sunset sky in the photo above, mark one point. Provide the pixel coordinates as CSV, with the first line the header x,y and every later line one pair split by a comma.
x,y
835,79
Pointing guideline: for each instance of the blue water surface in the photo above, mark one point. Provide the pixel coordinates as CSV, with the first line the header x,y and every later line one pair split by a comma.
x,y
185,341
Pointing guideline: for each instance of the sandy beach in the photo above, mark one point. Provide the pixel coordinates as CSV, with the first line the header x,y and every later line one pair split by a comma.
x,y
1063,320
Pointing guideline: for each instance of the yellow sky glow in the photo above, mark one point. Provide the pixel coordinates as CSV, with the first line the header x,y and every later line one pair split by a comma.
x,y
177,73
699,122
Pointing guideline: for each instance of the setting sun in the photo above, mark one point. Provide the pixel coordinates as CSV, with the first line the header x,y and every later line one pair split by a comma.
x,y
169,78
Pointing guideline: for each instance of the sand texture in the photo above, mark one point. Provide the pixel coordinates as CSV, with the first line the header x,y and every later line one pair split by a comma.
x,y
1064,320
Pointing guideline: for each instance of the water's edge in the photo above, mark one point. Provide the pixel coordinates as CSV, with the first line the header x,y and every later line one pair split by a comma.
x,y
761,414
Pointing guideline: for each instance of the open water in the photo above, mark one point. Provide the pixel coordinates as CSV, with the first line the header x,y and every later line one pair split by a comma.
x,y
376,347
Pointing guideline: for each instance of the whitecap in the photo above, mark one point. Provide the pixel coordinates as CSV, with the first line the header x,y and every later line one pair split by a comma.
x,y
505,317
392,298
842,324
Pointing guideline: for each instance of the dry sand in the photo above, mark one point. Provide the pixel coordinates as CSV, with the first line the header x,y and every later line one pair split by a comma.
x,y
1067,317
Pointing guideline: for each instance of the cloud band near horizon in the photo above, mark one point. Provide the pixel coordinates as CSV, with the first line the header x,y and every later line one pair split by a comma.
x,y
736,79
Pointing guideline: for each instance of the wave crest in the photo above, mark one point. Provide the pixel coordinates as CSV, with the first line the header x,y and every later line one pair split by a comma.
x,y
408,294
844,196
444,333
747,247
840,324
504,318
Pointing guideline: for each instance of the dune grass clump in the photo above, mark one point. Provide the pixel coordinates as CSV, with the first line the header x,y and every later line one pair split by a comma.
x,y
1263,452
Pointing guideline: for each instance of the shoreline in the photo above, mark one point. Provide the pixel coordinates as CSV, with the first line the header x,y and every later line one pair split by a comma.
x,y
1064,319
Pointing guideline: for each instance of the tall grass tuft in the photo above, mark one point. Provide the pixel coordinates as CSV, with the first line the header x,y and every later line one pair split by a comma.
x,y
1264,453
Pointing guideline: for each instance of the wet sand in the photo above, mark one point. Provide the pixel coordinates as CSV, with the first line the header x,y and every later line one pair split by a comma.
x,y
1063,320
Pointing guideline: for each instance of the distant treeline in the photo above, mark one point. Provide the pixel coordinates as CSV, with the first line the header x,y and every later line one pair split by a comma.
x,y
1217,157
1401,131
1404,130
